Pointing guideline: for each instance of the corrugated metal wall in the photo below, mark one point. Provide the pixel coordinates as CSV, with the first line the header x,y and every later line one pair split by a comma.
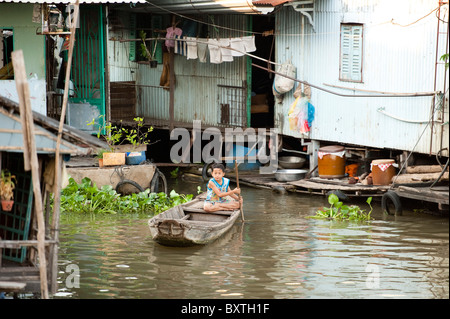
x,y
196,91
395,59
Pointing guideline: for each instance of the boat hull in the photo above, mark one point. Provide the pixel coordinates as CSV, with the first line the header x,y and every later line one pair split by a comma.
x,y
190,225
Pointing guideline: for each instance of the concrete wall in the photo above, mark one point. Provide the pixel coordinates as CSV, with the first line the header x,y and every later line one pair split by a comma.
x,y
18,16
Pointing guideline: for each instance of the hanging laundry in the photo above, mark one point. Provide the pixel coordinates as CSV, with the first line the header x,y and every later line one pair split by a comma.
x,y
165,78
249,43
191,44
180,45
215,55
238,47
171,33
225,51
202,50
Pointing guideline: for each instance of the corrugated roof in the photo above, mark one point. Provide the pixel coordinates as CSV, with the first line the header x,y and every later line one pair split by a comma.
x,y
73,1
273,3
73,141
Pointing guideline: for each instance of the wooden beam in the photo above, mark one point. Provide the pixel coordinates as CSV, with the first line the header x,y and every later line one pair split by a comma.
x,y
26,113
58,163
23,243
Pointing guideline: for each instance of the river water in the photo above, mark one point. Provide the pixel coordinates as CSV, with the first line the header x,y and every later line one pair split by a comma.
x,y
277,253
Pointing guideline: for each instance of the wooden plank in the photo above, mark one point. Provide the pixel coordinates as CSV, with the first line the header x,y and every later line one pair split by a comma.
x,y
23,243
23,91
424,177
424,169
20,74
12,286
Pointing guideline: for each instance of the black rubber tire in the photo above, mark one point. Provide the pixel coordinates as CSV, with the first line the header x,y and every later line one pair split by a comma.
x,y
138,187
158,181
391,198
205,174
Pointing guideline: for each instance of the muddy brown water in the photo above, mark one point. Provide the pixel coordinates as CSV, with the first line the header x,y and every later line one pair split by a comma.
x,y
276,253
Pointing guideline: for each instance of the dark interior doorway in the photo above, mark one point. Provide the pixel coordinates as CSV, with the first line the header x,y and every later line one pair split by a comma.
x,y
262,109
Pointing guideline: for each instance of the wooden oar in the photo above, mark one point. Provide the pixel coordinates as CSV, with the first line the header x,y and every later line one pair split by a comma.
x,y
237,183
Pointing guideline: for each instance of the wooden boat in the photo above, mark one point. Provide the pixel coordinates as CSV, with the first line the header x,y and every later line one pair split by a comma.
x,y
188,224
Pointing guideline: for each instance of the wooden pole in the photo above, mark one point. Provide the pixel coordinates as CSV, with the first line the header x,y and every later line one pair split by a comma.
x,y
237,183
56,202
24,94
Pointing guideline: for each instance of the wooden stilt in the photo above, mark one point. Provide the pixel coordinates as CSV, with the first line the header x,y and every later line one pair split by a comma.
x,y
58,162
27,117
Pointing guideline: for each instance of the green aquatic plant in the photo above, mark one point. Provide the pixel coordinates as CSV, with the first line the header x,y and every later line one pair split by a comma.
x,y
339,211
86,197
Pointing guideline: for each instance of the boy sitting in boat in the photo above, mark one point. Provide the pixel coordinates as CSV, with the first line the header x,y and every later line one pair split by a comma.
x,y
218,190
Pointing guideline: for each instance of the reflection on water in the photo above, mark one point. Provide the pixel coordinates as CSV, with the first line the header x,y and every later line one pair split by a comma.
x,y
276,253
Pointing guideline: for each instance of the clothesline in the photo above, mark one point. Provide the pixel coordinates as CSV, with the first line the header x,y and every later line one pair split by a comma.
x,y
202,41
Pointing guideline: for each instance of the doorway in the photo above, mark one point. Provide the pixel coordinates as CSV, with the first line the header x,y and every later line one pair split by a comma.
x,y
262,106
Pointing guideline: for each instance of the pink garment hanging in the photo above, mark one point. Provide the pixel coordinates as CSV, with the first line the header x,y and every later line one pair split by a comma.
x,y
171,33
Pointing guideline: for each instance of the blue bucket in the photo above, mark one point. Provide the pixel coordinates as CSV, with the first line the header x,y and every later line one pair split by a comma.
x,y
135,158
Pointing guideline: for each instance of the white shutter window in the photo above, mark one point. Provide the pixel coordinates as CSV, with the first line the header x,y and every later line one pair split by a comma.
x,y
351,52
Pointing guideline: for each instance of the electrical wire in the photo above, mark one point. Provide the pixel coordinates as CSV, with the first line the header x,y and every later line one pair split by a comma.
x,y
214,25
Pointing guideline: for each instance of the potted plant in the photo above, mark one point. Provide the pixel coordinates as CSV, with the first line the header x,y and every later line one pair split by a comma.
x,y
113,137
146,53
100,157
137,136
7,185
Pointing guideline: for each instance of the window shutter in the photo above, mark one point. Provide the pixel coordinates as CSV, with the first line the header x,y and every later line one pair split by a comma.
x,y
351,53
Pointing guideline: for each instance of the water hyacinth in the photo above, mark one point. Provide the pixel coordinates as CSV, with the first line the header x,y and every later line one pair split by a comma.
x,y
339,211
86,197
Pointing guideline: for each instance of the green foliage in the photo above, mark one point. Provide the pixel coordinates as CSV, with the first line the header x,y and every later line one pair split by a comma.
x,y
339,211
175,173
7,185
112,134
444,58
86,198
137,135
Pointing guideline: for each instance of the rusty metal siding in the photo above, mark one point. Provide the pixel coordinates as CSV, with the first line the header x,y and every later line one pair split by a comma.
x,y
395,59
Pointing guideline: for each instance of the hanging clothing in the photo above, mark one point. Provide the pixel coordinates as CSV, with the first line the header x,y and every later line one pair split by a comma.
x,y
215,55
191,44
180,45
226,53
237,44
165,75
249,43
171,33
202,50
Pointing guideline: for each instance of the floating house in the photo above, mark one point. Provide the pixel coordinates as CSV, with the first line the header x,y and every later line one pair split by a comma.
x,y
371,70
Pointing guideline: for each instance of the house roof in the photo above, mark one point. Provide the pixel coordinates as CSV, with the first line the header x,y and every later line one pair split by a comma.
x,y
273,3
74,142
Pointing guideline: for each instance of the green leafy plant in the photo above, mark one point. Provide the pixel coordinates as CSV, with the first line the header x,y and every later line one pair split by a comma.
x,y
444,58
339,211
112,134
100,153
175,173
7,185
138,134
87,198
144,50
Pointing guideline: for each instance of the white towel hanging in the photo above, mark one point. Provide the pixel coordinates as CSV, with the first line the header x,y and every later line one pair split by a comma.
x,y
238,45
215,55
